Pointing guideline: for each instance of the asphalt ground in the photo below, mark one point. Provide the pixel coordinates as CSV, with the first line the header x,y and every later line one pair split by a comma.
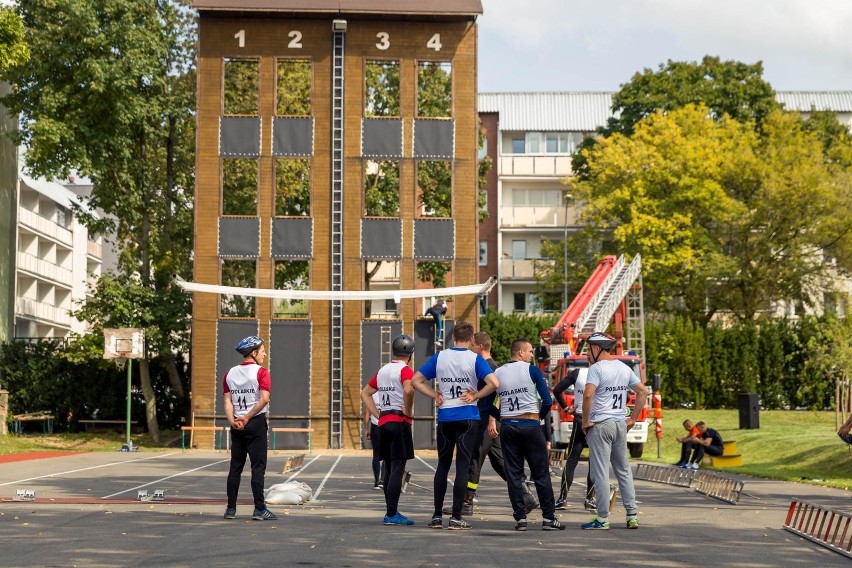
x,y
86,514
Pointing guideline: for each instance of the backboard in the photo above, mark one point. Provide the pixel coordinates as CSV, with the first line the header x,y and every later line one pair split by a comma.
x,y
124,343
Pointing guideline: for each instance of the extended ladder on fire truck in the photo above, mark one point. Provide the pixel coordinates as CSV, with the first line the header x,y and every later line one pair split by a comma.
x,y
613,282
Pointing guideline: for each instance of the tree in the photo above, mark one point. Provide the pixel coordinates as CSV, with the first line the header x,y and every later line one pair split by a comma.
x,y
726,88
724,218
114,100
13,46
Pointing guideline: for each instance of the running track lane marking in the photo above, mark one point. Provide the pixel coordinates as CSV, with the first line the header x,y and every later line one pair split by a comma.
x,y
324,479
303,468
165,478
88,468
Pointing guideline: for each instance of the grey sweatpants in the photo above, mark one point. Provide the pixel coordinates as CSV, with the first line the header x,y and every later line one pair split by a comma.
x,y
608,445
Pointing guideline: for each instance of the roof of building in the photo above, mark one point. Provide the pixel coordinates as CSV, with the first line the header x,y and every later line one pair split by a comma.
x,y
586,111
470,8
54,191
567,111
806,101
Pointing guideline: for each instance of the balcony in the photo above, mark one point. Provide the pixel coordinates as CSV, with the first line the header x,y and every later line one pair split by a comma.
x,y
524,269
43,269
42,312
43,226
531,216
94,250
544,166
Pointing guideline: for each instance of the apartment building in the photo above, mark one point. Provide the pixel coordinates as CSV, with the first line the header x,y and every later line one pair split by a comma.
x,y
54,261
530,138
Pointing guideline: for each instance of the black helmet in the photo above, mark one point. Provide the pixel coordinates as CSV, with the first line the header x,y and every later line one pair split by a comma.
x,y
247,345
603,340
403,345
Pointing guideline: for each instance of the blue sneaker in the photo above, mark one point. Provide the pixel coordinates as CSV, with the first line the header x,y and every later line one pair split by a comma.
x,y
596,525
398,519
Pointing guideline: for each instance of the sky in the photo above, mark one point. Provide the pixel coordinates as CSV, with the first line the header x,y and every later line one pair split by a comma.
x,y
597,45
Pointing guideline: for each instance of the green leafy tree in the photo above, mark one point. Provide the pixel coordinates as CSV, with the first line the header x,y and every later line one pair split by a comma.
x,y
13,46
114,101
505,328
726,88
725,219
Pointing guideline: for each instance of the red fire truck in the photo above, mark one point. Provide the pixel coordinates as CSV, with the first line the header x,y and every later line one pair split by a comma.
x,y
610,300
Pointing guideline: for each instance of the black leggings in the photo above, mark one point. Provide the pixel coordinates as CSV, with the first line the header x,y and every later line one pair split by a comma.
x,y
575,448
461,433
486,447
251,442
375,441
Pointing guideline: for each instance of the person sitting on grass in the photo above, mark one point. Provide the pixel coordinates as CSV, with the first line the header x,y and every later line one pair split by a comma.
x,y
686,442
708,441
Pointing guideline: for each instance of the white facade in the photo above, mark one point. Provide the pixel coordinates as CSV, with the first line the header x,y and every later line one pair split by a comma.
x,y
55,260
536,137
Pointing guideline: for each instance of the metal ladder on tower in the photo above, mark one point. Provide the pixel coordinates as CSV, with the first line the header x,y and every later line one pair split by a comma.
x,y
336,386
385,339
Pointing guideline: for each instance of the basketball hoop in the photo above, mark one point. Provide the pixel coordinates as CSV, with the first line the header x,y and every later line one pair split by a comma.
x,y
121,361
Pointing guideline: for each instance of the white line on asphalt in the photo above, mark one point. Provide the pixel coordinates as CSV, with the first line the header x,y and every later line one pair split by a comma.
x,y
324,479
87,468
424,462
165,478
303,468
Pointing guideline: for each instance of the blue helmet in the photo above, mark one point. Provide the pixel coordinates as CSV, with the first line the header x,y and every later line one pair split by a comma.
x,y
248,345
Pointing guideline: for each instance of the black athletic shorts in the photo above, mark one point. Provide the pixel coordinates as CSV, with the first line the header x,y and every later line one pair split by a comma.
x,y
396,441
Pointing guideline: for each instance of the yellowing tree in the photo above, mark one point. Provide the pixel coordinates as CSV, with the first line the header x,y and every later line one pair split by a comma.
x,y
725,218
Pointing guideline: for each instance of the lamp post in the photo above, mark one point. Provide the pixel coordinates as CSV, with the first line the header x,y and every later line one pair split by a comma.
x,y
566,197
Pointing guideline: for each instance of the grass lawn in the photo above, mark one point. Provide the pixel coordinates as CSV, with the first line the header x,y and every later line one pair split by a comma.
x,y
789,445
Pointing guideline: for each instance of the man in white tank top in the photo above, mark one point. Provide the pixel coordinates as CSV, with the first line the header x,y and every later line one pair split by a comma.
x,y
524,401
604,405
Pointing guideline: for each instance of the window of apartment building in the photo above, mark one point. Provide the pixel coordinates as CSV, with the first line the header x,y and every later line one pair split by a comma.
x,y
547,143
292,187
525,302
483,253
537,197
519,250
241,86
291,275
62,216
381,94
242,274
293,88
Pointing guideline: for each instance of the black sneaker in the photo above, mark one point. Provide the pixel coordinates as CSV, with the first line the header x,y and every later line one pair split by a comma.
x,y
590,505
231,513
436,523
459,525
521,525
264,515
562,504
552,525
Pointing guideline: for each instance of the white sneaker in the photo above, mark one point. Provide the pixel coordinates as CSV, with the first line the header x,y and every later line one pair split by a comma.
x,y
693,466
